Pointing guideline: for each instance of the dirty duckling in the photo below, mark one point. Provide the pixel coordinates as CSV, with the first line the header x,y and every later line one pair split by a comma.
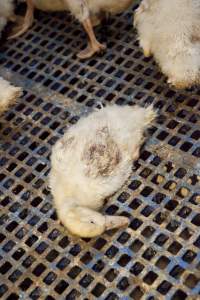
x,y
8,94
88,12
170,31
91,162
6,13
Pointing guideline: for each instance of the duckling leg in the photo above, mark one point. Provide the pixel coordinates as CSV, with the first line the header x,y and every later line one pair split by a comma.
x,y
146,46
94,46
19,20
26,23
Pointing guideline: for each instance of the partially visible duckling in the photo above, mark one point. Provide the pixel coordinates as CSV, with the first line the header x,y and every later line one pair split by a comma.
x,y
6,13
170,30
91,162
88,12
8,94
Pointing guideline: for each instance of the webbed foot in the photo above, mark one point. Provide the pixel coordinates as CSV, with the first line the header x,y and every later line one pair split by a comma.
x,y
90,50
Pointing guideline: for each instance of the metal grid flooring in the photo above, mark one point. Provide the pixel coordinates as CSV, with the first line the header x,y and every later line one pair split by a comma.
x,y
158,256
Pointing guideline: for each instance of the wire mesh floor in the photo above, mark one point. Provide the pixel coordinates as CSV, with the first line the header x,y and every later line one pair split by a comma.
x,y
158,256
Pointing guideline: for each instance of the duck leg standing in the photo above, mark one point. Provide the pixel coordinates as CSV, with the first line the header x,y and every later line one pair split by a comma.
x,y
93,45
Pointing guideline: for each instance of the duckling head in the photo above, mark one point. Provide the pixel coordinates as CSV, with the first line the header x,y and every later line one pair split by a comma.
x,y
86,223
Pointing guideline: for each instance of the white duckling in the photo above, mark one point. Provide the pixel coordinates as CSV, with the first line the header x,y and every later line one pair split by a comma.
x,y
91,162
170,30
8,94
88,12
6,13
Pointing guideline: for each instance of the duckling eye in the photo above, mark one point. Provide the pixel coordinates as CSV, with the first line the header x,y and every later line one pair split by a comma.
x,y
92,222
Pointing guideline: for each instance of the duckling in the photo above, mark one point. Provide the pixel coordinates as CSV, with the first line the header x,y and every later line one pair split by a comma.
x,y
8,94
88,12
91,162
6,13
170,30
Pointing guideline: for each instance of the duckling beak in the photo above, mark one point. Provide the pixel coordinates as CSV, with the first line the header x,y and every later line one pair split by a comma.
x,y
112,222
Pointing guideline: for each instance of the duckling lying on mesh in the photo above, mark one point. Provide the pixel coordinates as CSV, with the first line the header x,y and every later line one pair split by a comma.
x,y
6,13
88,12
8,94
91,162
170,30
